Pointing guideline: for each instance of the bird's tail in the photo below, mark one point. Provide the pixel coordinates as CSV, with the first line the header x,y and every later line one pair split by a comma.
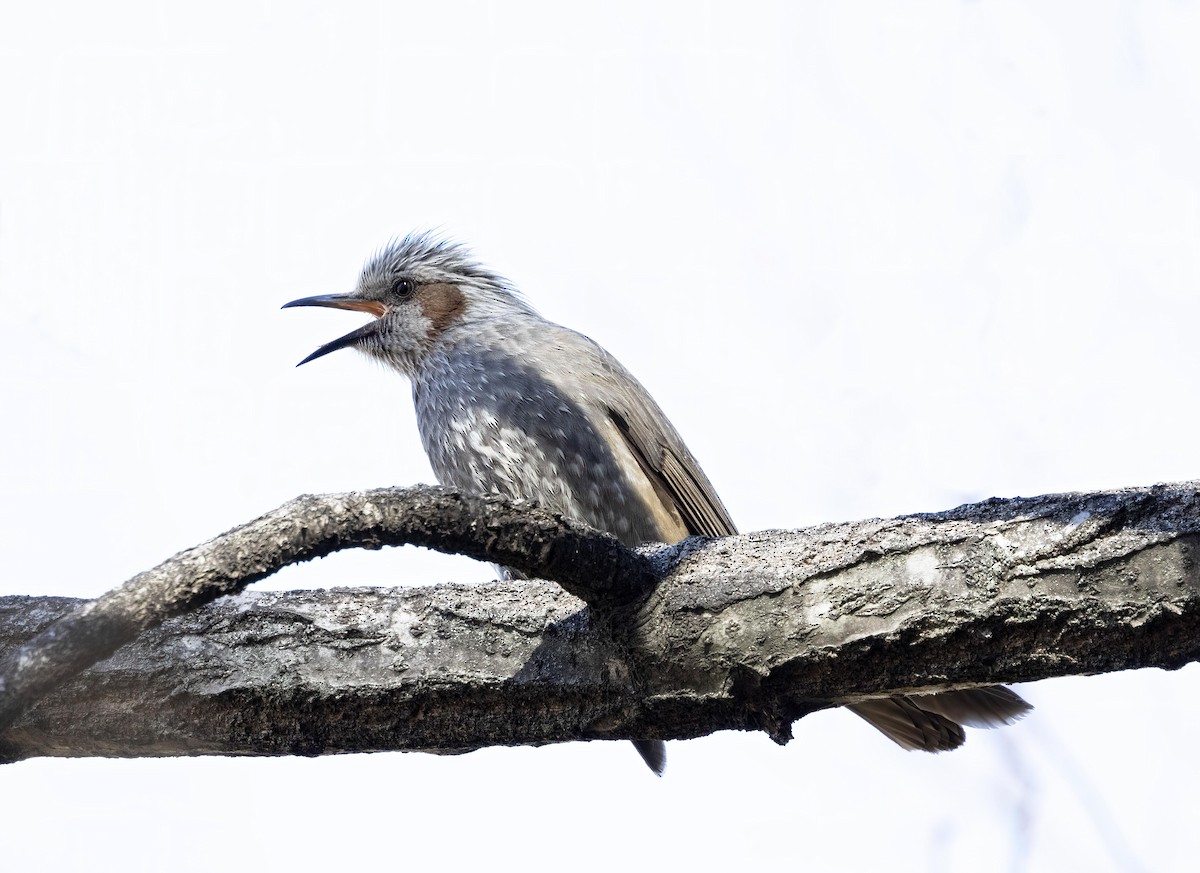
x,y
934,722
654,753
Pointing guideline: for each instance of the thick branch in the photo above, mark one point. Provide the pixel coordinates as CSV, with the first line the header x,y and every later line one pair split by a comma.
x,y
747,632
591,564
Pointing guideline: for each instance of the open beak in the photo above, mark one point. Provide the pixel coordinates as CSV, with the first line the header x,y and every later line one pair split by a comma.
x,y
342,301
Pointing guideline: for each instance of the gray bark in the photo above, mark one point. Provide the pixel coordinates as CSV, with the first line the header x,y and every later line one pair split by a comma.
x,y
747,632
517,535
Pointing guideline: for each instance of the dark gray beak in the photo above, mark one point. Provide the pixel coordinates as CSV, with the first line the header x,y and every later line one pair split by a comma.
x,y
342,301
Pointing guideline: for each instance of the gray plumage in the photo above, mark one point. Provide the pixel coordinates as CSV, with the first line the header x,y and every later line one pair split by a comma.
x,y
508,402
531,410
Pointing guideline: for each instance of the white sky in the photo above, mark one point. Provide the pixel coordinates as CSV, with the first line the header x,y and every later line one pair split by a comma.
x,y
871,258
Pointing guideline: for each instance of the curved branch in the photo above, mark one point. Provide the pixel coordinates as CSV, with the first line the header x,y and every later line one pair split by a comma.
x,y
745,632
591,564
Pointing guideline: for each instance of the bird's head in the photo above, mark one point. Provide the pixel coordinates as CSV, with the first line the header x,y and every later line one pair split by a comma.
x,y
417,288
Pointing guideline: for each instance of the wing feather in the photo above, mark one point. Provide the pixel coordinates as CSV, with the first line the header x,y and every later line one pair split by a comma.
x,y
667,462
599,380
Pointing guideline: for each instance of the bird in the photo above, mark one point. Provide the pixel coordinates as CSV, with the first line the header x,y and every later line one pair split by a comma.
x,y
510,403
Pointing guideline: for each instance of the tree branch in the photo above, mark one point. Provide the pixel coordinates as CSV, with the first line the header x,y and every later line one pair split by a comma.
x,y
747,632
589,563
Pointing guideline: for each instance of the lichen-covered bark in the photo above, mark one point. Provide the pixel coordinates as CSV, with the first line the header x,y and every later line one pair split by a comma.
x,y
746,632
1002,591
516,535
307,672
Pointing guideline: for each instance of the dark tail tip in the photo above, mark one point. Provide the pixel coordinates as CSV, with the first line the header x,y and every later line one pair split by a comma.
x,y
654,753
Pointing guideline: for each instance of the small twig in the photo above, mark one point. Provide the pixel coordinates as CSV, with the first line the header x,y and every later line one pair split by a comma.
x,y
591,565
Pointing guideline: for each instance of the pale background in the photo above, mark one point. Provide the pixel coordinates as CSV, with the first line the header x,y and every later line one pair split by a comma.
x,y
871,258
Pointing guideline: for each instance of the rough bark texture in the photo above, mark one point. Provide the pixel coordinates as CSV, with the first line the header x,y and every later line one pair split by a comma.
x,y
747,632
587,562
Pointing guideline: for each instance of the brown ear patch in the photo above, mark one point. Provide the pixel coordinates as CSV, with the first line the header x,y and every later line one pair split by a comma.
x,y
442,304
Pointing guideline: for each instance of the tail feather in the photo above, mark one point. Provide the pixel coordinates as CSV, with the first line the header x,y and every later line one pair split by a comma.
x,y
909,726
933,722
654,753
991,707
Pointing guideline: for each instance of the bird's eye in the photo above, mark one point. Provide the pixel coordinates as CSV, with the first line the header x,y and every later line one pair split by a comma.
x,y
402,288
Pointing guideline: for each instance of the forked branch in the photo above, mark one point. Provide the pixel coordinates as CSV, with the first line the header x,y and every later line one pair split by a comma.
x,y
746,632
